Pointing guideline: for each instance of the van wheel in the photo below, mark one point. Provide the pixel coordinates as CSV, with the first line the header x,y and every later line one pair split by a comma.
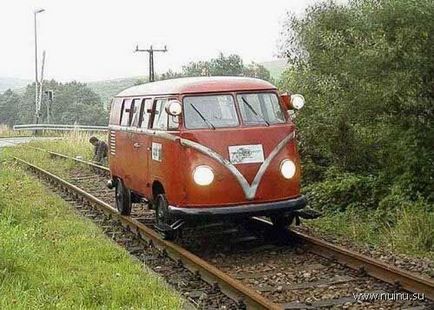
x,y
162,217
123,198
282,221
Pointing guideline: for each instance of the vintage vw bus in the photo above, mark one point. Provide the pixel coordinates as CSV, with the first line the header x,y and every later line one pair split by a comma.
x,y
206,147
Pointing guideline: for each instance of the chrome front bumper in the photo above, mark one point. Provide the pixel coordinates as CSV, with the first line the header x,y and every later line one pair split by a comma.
x,y
246,210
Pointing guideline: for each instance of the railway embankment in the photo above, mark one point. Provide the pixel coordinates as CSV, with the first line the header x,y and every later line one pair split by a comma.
x,y
51,257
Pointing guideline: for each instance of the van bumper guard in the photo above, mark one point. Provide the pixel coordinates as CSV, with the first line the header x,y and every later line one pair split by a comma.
x,y
245,210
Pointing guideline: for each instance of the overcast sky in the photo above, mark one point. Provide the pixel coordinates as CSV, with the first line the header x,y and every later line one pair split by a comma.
x,y
94,39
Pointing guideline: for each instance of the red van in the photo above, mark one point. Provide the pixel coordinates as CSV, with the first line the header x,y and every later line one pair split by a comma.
x,y
206,147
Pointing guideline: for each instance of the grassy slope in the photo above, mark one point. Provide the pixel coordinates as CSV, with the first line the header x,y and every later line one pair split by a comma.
x,y
50,257
73,144
412,234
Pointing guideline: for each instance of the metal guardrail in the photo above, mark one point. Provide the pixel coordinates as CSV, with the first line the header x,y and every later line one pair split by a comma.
x,y
60,127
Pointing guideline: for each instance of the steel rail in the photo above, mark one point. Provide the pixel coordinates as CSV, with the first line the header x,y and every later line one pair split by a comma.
x,y
102,168
85,162
228,285
373,267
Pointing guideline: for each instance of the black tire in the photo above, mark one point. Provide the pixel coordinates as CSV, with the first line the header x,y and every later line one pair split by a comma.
x,y
162,218
282,221
161,209
123,198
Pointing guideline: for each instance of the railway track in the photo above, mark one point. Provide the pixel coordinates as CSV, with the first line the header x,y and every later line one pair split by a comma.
x,y
302,269
231,287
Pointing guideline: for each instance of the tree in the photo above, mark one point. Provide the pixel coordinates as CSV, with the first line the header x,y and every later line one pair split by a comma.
x,y
366,70
9,108
231,65
257,71
73,103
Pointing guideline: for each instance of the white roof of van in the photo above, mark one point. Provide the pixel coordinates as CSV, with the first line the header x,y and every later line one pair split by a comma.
x,y
197,85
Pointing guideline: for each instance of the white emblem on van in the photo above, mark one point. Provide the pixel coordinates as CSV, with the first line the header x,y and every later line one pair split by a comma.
x,y
246,154
157,151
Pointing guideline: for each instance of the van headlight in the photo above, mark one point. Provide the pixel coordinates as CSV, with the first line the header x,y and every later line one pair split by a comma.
x,y
287,168
203,175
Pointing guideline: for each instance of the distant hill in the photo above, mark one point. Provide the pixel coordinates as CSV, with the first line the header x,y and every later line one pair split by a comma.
x,y
276,67
12,83
108,88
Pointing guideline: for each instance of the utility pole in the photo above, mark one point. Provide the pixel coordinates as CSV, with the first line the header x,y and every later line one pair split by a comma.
x,y
151,51
41,82
35,12
49,94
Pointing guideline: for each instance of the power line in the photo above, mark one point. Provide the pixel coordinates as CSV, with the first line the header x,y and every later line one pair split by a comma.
x,y
151,51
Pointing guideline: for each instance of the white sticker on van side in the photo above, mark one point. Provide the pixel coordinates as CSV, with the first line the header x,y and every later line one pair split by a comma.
x,y
157,151
246,154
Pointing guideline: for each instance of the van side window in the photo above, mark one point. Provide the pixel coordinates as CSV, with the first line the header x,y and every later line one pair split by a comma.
x,y
115,111
160,115
126,114
135,112
145,112
162,120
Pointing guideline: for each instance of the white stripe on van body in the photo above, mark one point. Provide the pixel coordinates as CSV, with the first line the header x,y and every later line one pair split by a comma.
x,y
249,189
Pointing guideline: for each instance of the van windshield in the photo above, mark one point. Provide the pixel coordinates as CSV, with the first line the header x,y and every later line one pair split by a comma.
x,y
210,112
260,108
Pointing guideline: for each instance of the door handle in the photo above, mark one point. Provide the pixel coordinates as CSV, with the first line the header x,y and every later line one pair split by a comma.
x,y
137,145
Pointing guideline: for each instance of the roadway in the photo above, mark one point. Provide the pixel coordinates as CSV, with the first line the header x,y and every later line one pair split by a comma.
x,y
12,141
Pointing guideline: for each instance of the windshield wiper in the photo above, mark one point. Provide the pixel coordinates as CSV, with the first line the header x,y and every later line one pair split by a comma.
x,y
254,112
210,125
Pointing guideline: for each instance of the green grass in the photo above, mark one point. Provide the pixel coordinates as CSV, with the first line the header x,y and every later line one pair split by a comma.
x,y
41,159
52,258
75,144
72,143
406,230
362,210
6,132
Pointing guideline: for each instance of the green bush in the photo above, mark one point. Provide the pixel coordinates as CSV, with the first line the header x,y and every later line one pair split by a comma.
x,y
342,190
366,71
366,134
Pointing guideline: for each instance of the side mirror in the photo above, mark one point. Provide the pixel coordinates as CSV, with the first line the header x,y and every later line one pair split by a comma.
x,y
292,102
174,107
286,100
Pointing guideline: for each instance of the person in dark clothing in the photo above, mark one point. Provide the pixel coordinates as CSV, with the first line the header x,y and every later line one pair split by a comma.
x,y
100,150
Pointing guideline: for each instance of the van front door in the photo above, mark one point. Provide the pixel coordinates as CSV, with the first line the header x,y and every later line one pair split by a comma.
x,y
159,123
141,148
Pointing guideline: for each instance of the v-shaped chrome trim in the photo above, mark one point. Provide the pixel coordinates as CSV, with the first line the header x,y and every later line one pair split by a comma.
x,y
249,189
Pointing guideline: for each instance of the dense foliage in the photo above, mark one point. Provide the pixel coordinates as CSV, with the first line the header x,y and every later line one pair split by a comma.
x,y
73,103
366,69
231,65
